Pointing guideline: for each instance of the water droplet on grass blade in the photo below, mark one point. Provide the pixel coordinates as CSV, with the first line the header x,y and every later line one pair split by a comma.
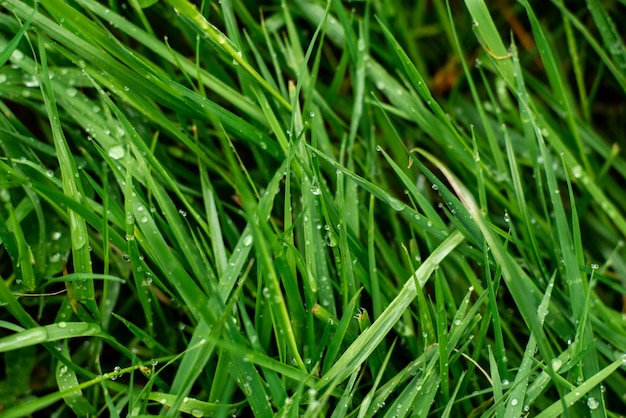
x,y
17,55
592,403
329,239
117,152
556,364
395,204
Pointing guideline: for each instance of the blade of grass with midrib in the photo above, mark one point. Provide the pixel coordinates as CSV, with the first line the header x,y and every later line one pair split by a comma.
x,y
619,75
188,10
367,342
575,281
95,58
82,290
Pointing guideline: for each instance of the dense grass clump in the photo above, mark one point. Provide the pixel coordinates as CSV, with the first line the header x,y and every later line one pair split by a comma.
x,y
312,208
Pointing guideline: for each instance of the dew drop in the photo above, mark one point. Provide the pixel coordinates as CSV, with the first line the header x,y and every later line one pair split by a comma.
x,y
315,189
31,81
592,403
17,55
247,241
117,152
361,44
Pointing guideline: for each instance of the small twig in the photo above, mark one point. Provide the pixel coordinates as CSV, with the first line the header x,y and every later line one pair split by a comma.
x,y
41,294
498,57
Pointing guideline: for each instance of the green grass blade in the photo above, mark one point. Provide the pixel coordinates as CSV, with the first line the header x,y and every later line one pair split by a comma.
x,y
82,292
367,342
577,393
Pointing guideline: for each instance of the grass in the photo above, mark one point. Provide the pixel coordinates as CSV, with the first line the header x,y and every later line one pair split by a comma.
x,y
312,209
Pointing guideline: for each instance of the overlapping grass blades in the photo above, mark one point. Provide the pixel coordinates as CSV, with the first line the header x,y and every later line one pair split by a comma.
x,y
284,212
